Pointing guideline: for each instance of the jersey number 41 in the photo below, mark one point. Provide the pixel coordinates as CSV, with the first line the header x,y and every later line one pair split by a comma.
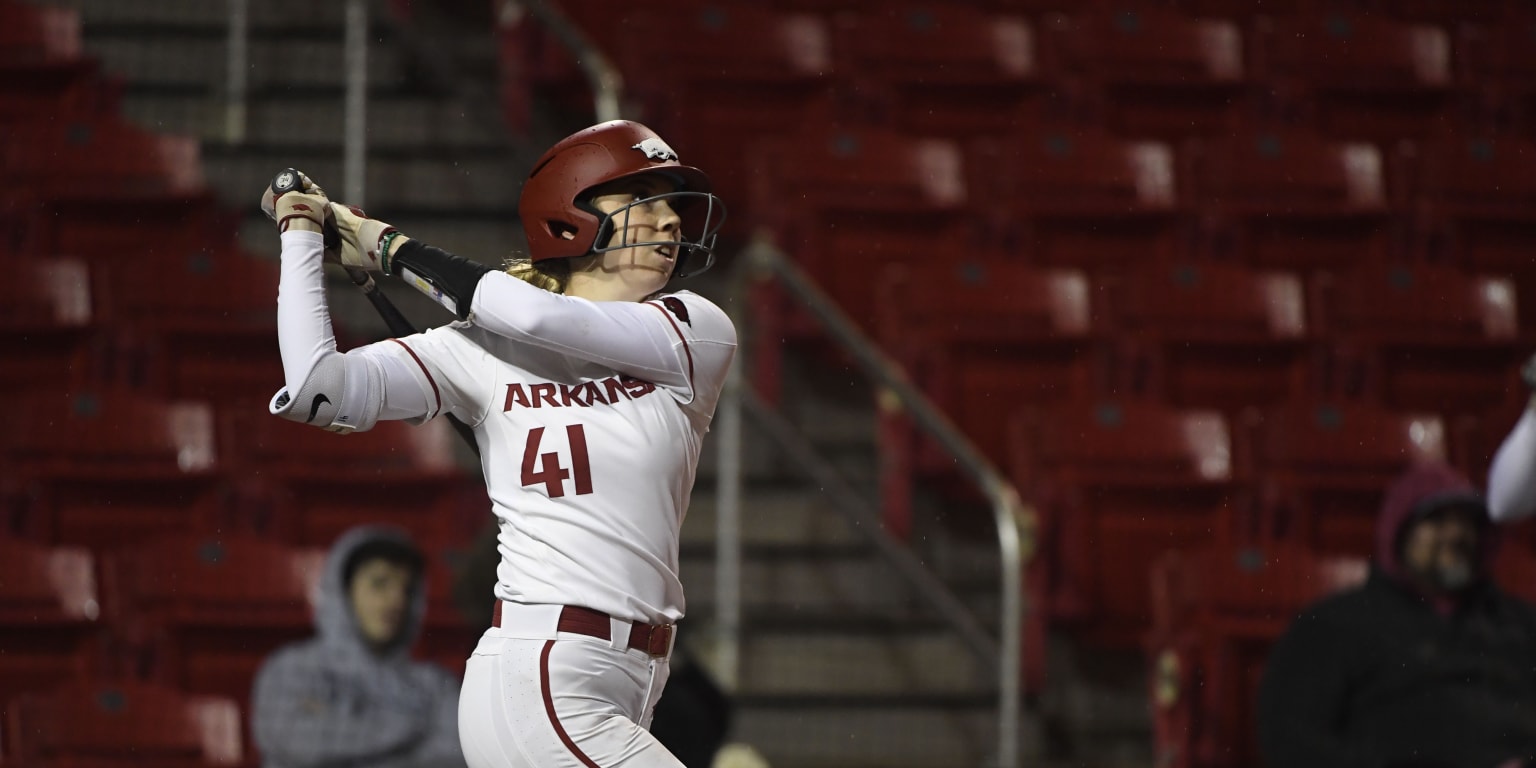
x,y
546,468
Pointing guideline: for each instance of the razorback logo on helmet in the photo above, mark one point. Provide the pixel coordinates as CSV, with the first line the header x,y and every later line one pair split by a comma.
x,y
677,307
656,149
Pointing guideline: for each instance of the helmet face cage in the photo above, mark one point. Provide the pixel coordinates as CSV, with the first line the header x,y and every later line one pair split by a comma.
x,y
692,254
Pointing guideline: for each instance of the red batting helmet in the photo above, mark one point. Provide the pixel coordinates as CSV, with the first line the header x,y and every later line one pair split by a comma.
x,y
561,222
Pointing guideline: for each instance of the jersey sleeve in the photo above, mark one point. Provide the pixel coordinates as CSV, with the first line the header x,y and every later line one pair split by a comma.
x,y
1512,478
411,379
680,342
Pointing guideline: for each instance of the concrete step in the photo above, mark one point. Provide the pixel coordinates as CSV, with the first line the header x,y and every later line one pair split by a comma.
x,y
785,656
396,120
816,584
479,180
773,514
274,63
266,14
823,732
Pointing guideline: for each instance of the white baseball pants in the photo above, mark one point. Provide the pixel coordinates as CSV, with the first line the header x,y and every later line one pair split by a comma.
x,y
537,698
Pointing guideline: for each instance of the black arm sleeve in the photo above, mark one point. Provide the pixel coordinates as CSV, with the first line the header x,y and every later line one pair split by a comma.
x,y
455,276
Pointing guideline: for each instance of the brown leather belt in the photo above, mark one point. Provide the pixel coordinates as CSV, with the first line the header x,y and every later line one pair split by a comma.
x,y
654,639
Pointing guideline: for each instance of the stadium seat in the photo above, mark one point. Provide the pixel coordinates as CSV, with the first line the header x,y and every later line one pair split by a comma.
x,y
844,203
81,156
1421,337
1117,484
1217,611
941,69
1494,63
982,337
1472,201
1076,196
1321,468
1359,76
31,33
733,73
202,611
49,611
311,485
118,723
104,468
1288,199
1212,335
48,336
1153,72
203,322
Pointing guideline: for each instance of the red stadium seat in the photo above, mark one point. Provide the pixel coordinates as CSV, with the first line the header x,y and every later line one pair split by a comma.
x,y
31,34
1288,199
1472,199
48,337
1078,197
1494,62
83,157
1422,337
983,337
104,468
48,616
203,611
1361,76
1118,484
1154,72
844,203
1322,468
204,322
733,73
117,723
945,70
315,485
1212,335
1216,613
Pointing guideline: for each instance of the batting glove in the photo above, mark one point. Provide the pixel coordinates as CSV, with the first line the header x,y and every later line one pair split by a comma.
x,y
305,188
363,240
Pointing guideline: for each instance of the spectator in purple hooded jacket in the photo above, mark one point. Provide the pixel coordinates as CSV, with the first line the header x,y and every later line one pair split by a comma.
x,y
1427,665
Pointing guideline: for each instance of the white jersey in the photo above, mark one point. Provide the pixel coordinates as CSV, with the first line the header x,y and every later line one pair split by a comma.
x,y
589,418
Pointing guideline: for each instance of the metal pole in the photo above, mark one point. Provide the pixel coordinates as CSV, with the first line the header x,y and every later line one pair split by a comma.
x,y
355,134
1011,646
728,532
237,66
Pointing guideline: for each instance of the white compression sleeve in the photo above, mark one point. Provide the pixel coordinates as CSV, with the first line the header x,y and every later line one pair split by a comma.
x,y
622,335
324,387
1512,478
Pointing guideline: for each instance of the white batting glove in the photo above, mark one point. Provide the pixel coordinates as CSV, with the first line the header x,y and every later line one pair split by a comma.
x,y
306,186
361,238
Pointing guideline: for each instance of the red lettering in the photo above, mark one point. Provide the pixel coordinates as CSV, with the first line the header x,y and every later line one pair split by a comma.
x,y
615,388
570,395
515,396
594,395
544,393
638,387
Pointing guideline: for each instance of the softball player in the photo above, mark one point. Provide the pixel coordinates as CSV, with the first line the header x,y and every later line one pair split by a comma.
x,y
589,391
1512,477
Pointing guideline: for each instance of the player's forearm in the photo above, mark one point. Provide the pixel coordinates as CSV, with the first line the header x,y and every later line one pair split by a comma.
x,y
1512,478
304,333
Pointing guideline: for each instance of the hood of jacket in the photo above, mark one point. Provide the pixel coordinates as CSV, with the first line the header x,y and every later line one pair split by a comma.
x,y
334,619
1423,489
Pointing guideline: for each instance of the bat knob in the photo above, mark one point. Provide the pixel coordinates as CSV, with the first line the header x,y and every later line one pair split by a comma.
x,y
286,180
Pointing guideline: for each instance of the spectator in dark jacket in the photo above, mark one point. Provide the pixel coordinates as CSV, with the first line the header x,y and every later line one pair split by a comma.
x,y
352,696
1428,665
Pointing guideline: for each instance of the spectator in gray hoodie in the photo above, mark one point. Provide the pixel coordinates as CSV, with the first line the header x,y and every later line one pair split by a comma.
x,y
352,695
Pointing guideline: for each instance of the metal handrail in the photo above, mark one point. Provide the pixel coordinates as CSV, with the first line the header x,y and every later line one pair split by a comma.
x,y
761,261
607,84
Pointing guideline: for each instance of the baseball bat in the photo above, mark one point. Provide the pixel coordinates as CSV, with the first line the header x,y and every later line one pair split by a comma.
x,y
287,180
